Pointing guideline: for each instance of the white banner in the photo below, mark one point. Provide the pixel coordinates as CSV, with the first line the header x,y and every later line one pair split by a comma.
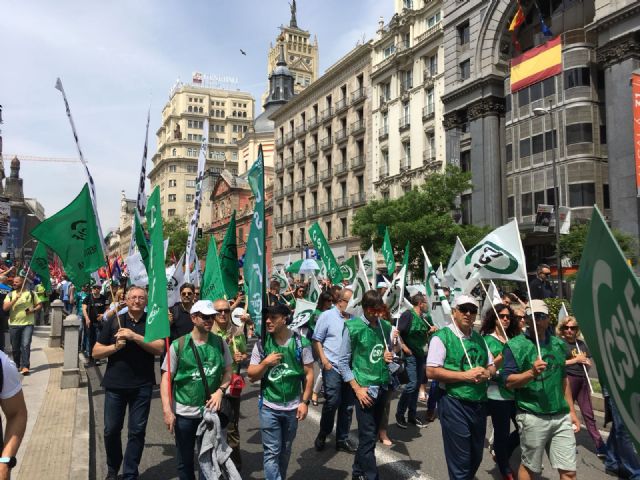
x,y
492,298
302,314
369,262
175,279
394,295
359,286
137,272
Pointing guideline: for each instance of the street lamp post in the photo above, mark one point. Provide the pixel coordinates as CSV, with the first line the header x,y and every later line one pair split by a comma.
x,y
556,191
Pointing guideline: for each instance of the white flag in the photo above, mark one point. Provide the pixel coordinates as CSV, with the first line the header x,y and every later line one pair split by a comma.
x,y
369,262
282,279
359,286
499,255
175,279
439,308
440,273
303,312
314,289
492,298
458,251
137,271
394,296
562,312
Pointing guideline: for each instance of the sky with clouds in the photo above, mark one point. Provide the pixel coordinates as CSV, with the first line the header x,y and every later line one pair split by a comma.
x,y
117,57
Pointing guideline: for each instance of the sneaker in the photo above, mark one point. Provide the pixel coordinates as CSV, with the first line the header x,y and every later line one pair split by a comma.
x,y
320,442
400,421
346,446
24,371
601,452
417,422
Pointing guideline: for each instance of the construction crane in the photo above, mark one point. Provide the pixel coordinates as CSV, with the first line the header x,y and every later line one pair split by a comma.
x,y
33,158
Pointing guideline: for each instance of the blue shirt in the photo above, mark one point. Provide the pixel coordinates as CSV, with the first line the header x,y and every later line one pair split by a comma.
x,y
328,332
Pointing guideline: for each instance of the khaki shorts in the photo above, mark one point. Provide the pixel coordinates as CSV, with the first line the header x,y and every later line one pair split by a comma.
x,y
553,433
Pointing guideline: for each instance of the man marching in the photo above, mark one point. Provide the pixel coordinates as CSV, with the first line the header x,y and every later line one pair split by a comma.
x,y
284,365
364,359
458,359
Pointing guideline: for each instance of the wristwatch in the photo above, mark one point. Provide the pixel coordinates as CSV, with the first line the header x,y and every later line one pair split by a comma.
x,y
306,402
10,461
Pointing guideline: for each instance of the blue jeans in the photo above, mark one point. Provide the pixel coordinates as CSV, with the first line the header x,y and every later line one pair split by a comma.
x,y
620,451
435,392
409,397
116,402
463,428
369,420
503,412
21,344
279,428
185,431
338,397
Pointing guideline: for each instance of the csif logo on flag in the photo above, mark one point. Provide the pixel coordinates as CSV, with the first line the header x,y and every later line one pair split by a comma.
x,y
347,271
301,318
491,257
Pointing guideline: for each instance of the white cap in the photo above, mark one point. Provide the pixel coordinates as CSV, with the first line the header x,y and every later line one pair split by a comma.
x,y
236,316
382,285
203,306
538,306
464,300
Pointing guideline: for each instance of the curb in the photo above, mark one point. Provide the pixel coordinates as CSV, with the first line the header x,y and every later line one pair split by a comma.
x,y
79,469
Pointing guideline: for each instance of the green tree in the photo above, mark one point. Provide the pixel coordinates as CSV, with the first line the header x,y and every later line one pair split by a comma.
x,y
176,231
572,244
422,216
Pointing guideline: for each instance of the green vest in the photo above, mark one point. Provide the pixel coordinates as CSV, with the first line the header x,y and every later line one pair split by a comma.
x,y
282,383
456,361
367,352
545,394
236,343
187,385
496,347
416,339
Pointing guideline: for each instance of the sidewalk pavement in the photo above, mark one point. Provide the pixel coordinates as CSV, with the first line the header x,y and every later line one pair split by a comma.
x,y
56,442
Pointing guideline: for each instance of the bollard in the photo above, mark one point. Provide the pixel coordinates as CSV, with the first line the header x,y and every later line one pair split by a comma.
x,y
55,319
70,371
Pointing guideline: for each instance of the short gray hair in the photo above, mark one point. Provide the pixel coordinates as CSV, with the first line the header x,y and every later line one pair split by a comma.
x,y
136,287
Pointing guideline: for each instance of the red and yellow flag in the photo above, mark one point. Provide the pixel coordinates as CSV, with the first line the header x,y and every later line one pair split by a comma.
x,y
536,64
518,19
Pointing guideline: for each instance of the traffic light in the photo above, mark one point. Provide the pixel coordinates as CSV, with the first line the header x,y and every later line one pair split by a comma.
x,y
199,233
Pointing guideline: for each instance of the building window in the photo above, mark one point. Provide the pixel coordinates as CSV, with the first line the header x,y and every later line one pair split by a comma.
x,y
189,197
465,207
408,4
549,86
509,153
173,168
345,230
577,77
603,134
465,161
511,207
523,97
538,199
328,230
551,197
172,197
525,147
507,103
173,183
432,64
582,194
463,33
191,184
192,169
430,101
579,133
388,50
465,69
605,195
171,212
385,195
174,152
550,139
385,91
241,234
527,204
433,20
537,144
535,92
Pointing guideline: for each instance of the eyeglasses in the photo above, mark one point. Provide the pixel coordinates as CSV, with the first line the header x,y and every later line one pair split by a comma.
x,y
207,318
224,310
141,298
468,309
504,315
570,327
540,316
186,294
521,317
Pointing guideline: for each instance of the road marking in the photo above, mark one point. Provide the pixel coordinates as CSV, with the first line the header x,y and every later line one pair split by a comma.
x,y
384,457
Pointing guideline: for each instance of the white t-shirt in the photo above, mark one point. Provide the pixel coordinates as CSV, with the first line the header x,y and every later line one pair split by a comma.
x,y
11,383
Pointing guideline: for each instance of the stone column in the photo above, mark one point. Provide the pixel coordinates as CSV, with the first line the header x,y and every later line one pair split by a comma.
x,y
55,319
70,371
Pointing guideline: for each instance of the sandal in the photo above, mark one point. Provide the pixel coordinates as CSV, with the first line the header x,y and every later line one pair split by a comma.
x,y
386,442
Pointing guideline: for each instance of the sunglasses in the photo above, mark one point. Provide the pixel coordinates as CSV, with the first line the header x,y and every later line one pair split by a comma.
x,y
521,316
468,309
567,327
207,318
186,294
224,310
504,315
540,316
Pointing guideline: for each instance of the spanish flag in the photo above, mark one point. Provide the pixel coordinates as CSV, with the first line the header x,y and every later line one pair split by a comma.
x,y
518,19
536,64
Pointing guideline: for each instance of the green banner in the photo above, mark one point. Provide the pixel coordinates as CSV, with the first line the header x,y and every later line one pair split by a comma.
x,y
141,241
387,253
40,265
72,234
349,269
229,259
606,303
157,307
212,284
254,271
325,253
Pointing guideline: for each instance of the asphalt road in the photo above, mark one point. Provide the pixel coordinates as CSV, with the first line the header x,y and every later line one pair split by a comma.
x,y
416,453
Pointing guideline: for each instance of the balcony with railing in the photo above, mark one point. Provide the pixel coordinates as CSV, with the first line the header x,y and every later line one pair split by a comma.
x,y
358,199
405,86
405,164
301,130
326,142
383,170
312,180
383,133
428,157
279,142
357,162
278,220
326,175
313,123
428,112
327,114
358,127
326,207
299,215
340,168
287,189
287,218
279,166
300,156
428,77
429,33
277,192
340,203
288,137
341,135
358,96
341,105
312,150
405,122
288,162
312,211
300,184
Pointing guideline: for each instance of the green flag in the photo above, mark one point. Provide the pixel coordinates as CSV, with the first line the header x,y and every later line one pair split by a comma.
x,y
325,253
229,259
212,284
349,269
387,253
40,265
606,302
254,270
72,234
157,307
141,241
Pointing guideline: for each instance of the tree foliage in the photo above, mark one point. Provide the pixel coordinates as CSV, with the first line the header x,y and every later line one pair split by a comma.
x,y
176,231
422,216
572,244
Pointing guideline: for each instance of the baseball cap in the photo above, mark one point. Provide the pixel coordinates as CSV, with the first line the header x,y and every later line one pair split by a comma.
x,y
96,285
382,285
464,300
203,306
236,316
538,306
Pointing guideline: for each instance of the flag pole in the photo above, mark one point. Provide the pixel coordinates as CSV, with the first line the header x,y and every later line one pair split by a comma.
x,y
494,310
584,367
26,275
264,257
